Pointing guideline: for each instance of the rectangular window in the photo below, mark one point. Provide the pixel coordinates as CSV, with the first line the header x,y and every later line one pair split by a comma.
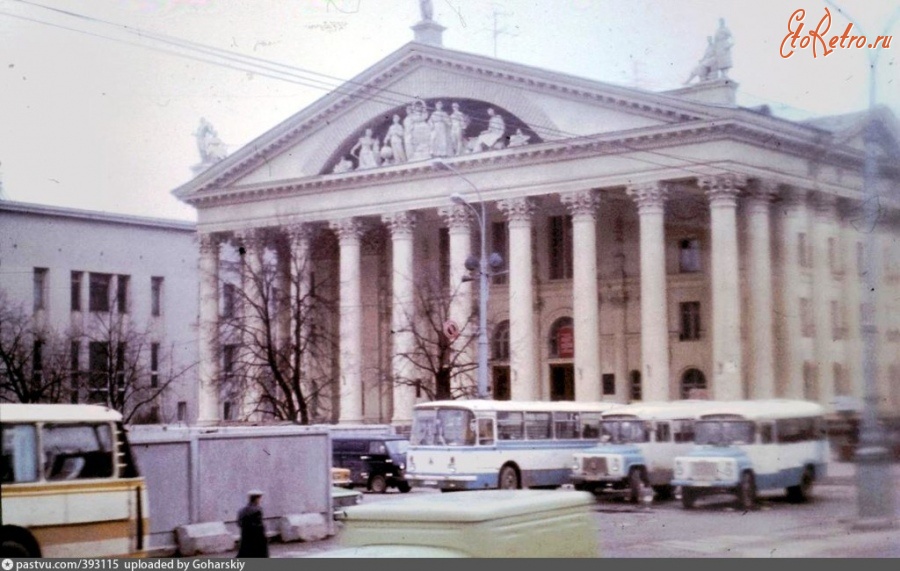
x,y
860,259
838,331
182,411
98,294
538,426
229,356
75,365
690,321
227,410
77,451
122,293
560,249
19,453
683,430
609,383
444,255
689,256
40,288
37,361
500,246
229,295
154,365
76,290
509,425
565,425
120,369
156,292
98,365
834,258
663,432
807,323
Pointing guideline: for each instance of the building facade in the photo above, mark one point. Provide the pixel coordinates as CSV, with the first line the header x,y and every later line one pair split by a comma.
x,y
654,245
103,296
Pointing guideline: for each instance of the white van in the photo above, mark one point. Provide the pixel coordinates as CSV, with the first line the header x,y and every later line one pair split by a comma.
x,y
743,447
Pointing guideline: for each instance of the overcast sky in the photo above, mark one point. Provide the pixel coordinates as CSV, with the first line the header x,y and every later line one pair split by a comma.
x,y
94,115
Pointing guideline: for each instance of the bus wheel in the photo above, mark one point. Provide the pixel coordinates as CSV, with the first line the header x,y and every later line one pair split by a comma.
x,y
635,485
404,487
688,498
509,478
801,493
664,492
747,491
378,484
18,543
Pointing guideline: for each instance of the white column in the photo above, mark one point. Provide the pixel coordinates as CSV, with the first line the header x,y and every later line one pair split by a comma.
x,y
299,310
524,376
650,199
209,354
824,210
349,232
253,339
852,238
723,190
794,222
401,226
759,288
585,299
458,218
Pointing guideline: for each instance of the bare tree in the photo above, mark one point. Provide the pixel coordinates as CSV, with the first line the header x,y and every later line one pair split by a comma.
x,y
121,371
34,361
440,367
276,344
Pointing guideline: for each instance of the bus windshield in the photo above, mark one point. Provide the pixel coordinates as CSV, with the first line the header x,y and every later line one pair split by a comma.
x,y
623,431
724,432
443,427
397,446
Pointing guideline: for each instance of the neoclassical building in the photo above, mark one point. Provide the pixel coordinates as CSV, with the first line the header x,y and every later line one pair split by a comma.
x,y
655,244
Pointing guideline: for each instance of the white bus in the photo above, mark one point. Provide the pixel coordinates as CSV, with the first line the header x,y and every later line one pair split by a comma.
x,y
744,447
638,443
70,487
477,444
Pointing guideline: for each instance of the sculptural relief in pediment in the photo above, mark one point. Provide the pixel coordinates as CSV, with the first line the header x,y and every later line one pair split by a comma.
x,y
426,129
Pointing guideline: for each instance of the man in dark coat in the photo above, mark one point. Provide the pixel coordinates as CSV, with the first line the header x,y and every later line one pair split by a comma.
x,y
253,532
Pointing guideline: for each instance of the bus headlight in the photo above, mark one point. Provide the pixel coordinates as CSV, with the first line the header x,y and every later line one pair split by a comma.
x,y
727,469
614,464
576,465
452,465
412,463
403,466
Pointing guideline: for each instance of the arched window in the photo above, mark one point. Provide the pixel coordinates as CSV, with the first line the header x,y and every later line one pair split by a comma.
x,y
693,384
500,345
562,339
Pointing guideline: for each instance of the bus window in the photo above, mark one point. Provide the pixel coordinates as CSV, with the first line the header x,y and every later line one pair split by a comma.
x,y
76,451
19,458
590,425
423,433
683,430
537,426
766,433
566,425
485,431
453,428
663,432
509,425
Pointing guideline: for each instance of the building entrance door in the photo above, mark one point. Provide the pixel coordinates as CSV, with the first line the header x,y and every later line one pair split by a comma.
x,y
562,382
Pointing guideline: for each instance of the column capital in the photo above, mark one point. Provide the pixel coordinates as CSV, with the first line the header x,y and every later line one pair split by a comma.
x,y
401,224
347,229
794,196
723,189
298,232
824,205
517,209
763,190
209,243
581,203
457,216
649,196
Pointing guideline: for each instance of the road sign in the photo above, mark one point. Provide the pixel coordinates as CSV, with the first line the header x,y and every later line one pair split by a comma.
x,y
451,329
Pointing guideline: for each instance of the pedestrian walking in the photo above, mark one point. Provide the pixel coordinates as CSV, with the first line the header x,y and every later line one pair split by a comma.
x,y
253,532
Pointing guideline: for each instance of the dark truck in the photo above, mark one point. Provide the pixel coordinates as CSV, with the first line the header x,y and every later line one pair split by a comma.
x,y
377,462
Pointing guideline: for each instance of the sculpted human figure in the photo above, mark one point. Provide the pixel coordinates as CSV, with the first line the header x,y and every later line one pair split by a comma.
x,y
458,123
427,9
723,45
393,139
343,165
366,151
518,139
419,147
704,70
440,131
208,143
495,130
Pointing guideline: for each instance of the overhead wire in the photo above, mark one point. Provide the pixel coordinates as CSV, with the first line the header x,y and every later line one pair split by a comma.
x,y
308,78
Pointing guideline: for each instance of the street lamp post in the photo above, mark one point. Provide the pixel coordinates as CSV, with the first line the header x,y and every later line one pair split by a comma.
x,y
484,265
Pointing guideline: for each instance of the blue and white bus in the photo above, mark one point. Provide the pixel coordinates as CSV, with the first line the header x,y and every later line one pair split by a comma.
x,y
478,444
638,444
743,447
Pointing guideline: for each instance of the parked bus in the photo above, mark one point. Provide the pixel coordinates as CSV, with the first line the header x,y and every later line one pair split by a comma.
x,y
70,487
477,444
744,447
638,443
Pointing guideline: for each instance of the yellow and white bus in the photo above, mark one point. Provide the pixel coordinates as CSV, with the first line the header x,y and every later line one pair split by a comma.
x,y
70,487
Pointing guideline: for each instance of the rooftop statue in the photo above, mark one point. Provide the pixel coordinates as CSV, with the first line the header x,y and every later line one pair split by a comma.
x,y
211,148
427,9
716,60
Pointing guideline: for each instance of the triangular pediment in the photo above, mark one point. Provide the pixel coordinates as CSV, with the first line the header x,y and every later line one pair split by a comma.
x,y
850,130
534,107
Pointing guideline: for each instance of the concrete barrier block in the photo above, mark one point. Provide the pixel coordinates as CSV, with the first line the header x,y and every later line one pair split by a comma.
x,y
304,527
208,537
